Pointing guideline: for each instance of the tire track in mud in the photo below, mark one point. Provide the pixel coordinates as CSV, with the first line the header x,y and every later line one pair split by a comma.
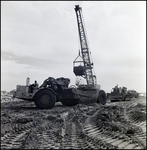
x,y
137,118
70,135
78,127
47,134
111,140
47,139
132,137
16,137
75,138
137,114
14,141
71,132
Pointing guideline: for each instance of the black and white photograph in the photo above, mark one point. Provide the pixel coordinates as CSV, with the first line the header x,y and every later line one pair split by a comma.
x,y
73,74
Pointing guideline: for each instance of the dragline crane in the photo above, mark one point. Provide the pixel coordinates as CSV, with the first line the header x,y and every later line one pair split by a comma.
x,y
85,67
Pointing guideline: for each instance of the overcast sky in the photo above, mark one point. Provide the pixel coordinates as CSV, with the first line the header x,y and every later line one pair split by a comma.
x,y
39,39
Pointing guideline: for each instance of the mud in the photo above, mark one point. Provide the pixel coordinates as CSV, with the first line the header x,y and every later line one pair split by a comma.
x,y
115,125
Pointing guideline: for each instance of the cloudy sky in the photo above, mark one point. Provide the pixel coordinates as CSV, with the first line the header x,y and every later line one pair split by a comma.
x,y
39,39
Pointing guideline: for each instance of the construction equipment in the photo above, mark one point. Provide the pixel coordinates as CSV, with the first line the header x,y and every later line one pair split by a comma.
x,y
57,90
134,93
119,94
84,67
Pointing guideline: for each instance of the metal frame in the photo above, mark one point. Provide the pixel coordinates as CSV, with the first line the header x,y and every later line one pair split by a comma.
x,y
84,48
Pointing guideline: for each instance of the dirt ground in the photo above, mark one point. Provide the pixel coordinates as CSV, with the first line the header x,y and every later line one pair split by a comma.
x,y
115,125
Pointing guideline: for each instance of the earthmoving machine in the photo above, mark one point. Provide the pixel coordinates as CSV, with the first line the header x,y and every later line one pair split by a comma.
x,y
119,94
57,90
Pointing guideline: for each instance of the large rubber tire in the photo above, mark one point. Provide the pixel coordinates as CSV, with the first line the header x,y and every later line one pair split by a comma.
x,y
45,99
102,97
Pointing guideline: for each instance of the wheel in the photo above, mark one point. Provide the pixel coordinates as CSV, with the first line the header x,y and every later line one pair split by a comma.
x,y
102,97
45,99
